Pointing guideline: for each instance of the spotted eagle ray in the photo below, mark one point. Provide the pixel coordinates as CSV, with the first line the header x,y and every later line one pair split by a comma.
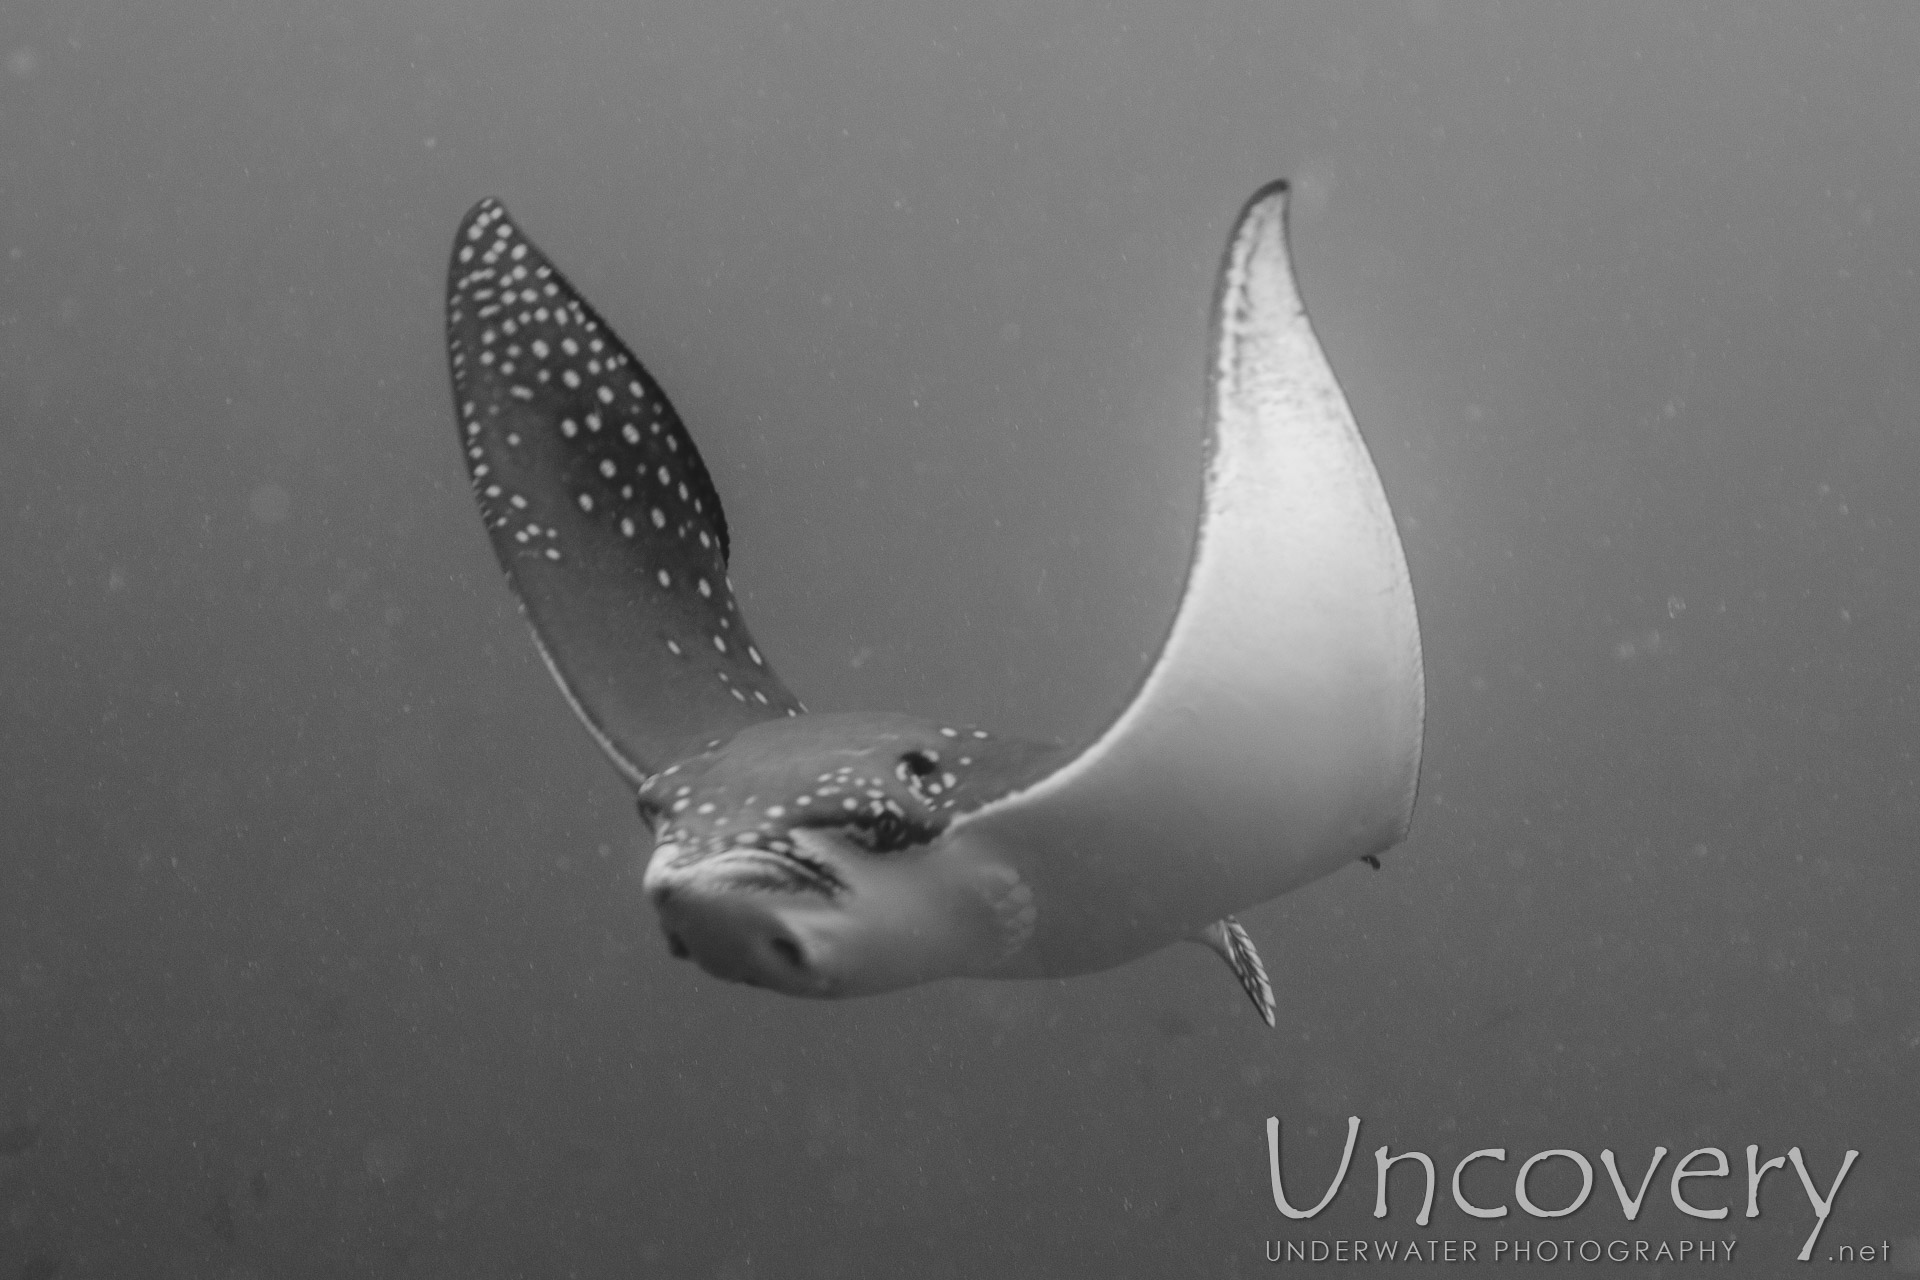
x,y
1275,737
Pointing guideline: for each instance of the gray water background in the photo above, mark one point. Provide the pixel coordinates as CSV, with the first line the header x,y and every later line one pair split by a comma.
x,y
317,951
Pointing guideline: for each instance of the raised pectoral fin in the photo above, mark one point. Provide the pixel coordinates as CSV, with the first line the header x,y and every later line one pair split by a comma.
x,y
1277,735
599,508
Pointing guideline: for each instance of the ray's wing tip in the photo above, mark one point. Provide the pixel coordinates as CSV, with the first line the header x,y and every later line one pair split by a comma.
x,y
1274,190
1269,203
485,204
1256,249
466,234
479,213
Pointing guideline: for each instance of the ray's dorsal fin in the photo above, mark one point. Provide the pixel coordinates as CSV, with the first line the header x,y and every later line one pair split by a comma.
x,y
1277,734
599,508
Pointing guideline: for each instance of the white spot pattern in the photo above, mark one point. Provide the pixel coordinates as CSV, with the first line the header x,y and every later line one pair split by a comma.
x,y
532,365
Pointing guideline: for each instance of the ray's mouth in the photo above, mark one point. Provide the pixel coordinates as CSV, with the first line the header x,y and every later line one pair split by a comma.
x,y
746,869
779,872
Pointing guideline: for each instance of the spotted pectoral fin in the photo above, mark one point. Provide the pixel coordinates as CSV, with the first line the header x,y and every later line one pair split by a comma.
x,y
1226,939
598,506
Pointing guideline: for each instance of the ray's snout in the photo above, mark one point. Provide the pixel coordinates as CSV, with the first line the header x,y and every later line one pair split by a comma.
x,y
711,914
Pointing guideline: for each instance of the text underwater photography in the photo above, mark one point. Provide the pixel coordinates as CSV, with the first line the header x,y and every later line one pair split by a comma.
x,y
1674,1208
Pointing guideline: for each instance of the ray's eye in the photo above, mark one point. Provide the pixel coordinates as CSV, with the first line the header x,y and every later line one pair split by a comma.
x,y
919,763
885,832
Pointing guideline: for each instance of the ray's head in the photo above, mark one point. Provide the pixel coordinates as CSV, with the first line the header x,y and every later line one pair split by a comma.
x,y
805,855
